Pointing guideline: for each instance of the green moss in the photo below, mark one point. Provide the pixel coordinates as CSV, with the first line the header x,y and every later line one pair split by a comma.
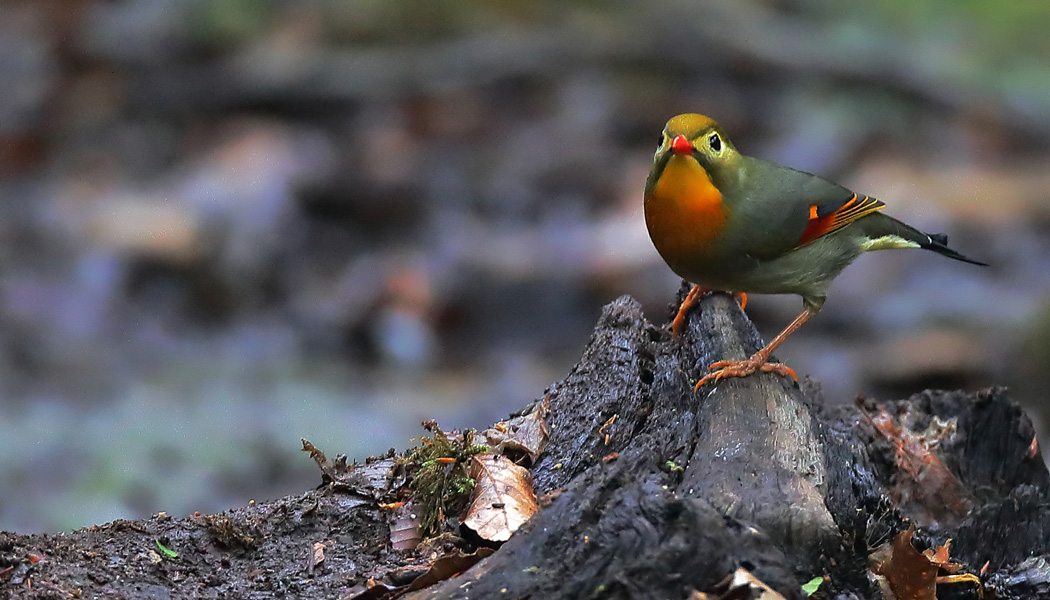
x,y
441,482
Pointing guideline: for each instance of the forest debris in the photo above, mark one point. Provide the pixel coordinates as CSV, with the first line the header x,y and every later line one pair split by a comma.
x,y
442,544
449,566
913,575
740,584
547,499
331,471
922,480
226,532
376,591
1029,579
440,486
371,479
406,530
315,557
528,433
602,431
503,497
406,574
446,567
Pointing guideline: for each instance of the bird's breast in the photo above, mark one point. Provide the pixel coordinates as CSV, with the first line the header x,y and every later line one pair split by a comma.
x,y
685,215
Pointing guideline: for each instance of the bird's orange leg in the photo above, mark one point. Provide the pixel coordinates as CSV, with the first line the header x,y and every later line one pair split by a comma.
x,y
759,360
690,299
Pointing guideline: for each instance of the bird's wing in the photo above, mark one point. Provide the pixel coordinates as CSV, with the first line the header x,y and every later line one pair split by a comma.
x,y
784,209
829,216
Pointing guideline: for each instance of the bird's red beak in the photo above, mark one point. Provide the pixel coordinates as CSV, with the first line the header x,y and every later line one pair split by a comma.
x,y
680,145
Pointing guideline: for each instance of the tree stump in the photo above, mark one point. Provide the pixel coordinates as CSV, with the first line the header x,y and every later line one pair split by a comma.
x,y
654,492
751,472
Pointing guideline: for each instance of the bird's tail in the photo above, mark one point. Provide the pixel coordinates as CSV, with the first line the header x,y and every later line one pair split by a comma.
x,y
883,230
938,242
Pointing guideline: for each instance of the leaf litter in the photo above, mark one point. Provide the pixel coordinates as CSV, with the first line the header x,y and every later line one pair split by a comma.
x,y
913,575
449,479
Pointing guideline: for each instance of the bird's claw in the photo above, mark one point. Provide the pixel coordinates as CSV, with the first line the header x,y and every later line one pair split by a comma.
x,y
742,368
780,369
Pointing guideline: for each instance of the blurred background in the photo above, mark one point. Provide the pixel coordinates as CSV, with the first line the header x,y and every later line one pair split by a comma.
x,y
229,224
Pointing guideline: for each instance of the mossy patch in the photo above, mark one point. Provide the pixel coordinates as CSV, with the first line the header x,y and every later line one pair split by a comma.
x,y
441,483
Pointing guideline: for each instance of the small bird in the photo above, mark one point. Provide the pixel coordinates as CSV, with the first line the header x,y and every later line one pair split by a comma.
x,y
729,222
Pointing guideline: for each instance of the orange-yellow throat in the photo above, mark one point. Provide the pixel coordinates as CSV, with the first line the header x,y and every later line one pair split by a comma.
x,y
684,213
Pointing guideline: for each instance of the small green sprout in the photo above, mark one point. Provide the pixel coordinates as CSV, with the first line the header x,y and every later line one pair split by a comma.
x,y
167,552
811,586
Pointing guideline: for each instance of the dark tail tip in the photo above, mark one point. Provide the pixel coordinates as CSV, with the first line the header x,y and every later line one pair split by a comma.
x,y
939,244
938,238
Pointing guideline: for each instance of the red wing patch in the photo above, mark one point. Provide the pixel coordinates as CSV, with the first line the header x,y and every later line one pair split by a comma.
x,y
824,219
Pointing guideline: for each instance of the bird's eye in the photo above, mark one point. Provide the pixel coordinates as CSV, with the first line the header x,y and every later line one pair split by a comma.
x,y
715,142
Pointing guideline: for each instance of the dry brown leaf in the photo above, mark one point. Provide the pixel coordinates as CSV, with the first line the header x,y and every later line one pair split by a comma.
x,y
503,497
376,591
447,567
406,527
316,557
528,433
912,575
371,479
441,569
328,468
741,584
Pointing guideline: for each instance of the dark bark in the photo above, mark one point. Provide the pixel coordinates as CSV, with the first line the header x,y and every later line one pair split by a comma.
x,y
770,480
670,496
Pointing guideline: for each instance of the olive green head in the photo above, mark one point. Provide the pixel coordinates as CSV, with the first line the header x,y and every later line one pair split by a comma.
x,y
701,138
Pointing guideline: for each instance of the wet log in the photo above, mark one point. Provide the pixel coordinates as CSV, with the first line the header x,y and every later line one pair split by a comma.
x,y
753,472
651,490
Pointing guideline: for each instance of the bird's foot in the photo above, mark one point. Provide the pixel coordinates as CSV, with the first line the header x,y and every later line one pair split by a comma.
x,y
743,368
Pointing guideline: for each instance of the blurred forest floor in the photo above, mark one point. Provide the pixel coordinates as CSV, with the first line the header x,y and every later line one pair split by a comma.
x,y
229,224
